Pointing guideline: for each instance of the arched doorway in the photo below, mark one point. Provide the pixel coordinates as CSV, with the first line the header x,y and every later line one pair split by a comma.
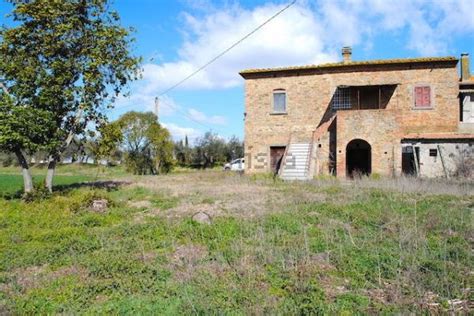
x,y
358,157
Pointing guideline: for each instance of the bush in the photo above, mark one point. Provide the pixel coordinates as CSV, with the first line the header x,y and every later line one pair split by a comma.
x,y
40,192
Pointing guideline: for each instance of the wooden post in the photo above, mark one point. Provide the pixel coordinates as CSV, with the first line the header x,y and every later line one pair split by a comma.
x,y
380,98
358,98
417,162
446,174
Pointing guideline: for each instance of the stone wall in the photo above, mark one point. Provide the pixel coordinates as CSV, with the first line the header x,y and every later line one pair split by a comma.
x,y
308,106
447,157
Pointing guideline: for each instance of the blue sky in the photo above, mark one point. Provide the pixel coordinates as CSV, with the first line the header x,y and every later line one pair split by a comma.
x,y
177,37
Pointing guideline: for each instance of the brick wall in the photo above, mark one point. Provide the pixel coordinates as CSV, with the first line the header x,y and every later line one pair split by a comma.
x,y
308,100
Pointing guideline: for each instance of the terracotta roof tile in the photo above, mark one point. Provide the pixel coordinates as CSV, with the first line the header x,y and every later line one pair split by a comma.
x,y
353,63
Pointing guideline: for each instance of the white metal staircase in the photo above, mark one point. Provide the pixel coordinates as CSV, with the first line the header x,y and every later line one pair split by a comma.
x,y
295,164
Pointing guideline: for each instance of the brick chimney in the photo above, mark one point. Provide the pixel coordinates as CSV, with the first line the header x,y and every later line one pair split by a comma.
x,y
346,54
465,70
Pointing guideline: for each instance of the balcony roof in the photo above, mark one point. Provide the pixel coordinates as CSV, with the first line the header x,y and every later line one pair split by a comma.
x,y
434,136
369,85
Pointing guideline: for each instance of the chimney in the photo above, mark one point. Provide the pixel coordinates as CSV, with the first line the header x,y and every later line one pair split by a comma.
x,y
465,70
346,54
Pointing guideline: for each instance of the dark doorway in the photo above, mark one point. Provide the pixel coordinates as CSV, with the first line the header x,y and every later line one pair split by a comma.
x,y
276,157
358,158
409,159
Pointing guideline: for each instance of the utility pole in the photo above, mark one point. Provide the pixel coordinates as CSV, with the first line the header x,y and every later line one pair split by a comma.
x,y
157,107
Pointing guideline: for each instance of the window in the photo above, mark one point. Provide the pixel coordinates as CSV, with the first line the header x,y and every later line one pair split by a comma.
x,y
422,97
433,152
279,101
341,99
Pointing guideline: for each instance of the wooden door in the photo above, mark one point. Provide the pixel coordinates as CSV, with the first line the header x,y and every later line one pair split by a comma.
x,y
276,157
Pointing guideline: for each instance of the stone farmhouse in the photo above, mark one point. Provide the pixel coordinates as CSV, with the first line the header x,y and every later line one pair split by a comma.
x,y
389,117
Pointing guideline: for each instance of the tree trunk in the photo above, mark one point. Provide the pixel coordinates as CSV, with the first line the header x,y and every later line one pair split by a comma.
x,y
50,174
25,170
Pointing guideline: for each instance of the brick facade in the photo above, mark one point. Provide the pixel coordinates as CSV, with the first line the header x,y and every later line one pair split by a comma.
x,y
309,94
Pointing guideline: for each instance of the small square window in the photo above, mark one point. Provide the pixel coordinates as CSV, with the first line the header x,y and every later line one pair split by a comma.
x,y
422,97
279,101
433,152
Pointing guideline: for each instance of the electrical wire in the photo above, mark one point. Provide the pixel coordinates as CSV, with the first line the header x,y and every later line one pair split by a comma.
x,y
216,58
227,50
212,61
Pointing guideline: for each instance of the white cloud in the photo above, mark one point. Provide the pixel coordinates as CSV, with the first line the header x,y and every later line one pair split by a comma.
x,y
306,33
430,25
179,132
292,38
203,118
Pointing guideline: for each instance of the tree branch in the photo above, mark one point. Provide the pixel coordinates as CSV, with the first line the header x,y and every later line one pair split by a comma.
x,y
4,88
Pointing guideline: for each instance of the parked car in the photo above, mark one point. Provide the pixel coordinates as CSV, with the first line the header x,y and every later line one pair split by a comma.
x,y
235,165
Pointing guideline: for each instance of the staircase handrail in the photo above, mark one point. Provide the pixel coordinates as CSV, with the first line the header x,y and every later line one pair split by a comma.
x,y
283,159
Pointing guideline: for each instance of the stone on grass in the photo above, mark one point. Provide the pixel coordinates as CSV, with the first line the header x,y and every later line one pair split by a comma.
x,y
202,217
99,206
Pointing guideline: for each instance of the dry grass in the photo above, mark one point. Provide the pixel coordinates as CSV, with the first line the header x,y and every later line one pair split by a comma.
x,y
458,187
369,246
228,194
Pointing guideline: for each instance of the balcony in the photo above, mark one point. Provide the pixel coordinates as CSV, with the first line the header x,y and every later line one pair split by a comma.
x,y
364,97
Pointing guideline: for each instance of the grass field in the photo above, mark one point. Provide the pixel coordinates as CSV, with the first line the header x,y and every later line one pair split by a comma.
x,y
368,246
11,181
11,184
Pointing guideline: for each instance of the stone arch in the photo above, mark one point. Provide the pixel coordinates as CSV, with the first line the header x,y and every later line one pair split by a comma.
x,y
358,157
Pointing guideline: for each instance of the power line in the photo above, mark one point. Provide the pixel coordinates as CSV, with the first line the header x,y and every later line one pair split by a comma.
x,y
216,58
187,115
213,60
227,50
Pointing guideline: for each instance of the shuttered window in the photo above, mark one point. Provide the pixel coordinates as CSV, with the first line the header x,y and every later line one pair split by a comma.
x,y
422,97
279,101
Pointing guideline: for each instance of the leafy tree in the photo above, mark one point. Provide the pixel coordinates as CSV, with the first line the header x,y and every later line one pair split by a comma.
x,y
183,152
186,142
209,150
23,131
161,148
76,150
148,146
62,63
234,148
106,145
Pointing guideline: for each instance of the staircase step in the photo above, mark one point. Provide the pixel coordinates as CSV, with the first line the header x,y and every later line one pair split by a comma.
x,y
295,178
296,162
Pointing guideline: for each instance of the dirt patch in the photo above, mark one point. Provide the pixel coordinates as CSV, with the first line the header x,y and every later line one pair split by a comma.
x,y
185,260
140,204
147,256
220,194
35,276
189,209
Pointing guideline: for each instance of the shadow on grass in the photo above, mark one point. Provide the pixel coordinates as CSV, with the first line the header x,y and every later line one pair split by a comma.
x,y
108,185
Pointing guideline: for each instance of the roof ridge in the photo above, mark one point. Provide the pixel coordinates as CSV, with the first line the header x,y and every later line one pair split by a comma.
x,y
353,63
